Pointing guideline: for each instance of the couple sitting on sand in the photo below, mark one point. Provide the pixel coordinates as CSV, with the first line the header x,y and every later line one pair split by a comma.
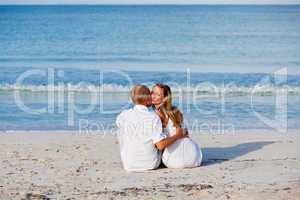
x,y
152,131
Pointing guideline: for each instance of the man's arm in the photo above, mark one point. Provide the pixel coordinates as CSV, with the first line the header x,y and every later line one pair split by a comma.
x,y
119,119
180,133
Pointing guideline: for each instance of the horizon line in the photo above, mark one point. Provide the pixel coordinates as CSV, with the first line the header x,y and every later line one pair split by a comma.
x,y
150,4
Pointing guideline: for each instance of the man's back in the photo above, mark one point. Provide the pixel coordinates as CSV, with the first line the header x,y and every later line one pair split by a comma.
x,y
139,130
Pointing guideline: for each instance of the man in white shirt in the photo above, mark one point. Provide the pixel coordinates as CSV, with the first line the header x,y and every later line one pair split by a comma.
x,y
140,133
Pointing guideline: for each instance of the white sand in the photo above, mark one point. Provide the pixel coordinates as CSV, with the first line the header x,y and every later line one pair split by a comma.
x,y
252,164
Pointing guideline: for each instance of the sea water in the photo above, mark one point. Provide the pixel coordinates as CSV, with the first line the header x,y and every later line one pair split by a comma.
x,y
72,67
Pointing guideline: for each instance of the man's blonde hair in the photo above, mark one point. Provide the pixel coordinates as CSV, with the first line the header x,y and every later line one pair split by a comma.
x,y
140,94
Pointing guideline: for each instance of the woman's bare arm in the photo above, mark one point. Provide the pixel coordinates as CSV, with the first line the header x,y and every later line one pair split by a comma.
x,y
180,133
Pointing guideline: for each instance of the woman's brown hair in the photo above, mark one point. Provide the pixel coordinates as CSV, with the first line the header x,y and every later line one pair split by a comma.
x,y
171,111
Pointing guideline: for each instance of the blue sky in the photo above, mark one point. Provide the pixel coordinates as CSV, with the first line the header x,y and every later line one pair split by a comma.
x,y
149,1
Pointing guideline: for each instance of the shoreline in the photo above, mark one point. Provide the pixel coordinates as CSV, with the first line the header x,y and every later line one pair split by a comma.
x,y
251,164
112,132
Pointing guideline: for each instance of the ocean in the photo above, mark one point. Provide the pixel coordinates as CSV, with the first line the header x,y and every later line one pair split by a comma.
x,y
230,67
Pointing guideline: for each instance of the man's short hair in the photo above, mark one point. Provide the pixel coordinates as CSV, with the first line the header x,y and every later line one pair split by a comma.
x,y
140,94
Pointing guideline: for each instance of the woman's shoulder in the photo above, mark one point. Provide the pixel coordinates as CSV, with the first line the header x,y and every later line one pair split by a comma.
x,y
175,109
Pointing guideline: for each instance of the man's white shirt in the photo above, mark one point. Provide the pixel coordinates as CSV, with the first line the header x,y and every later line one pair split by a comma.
x,y
138,131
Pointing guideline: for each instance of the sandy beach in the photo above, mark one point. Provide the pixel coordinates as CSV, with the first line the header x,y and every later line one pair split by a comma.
x,y
231,67
251,164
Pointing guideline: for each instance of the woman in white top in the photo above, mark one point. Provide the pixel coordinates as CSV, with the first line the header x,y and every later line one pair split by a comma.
x,y
184,153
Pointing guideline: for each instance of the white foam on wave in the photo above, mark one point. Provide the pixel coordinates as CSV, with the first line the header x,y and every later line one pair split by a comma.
x,y
115,88
66,87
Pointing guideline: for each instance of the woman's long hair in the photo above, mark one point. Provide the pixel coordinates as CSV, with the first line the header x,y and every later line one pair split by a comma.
x,y
171,111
